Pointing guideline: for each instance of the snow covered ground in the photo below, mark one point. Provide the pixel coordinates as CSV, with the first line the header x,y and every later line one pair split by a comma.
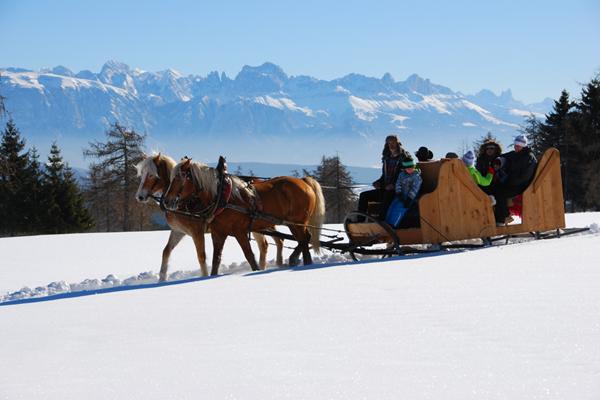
x,y
515,322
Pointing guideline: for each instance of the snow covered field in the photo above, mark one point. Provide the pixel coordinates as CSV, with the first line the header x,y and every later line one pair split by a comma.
x,y
515,322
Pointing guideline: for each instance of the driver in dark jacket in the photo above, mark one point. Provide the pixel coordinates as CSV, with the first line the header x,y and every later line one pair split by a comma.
x,y
516,172
391,159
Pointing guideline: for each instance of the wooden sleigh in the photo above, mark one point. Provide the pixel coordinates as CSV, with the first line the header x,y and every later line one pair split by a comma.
x,y
453,208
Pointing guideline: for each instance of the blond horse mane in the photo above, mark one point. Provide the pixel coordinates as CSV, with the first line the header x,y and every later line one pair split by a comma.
x,y
147,165
207,179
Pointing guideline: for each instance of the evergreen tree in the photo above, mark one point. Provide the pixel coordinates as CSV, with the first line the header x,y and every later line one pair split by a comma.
x,y
532,129
98,194
559,131
574,129
122,150
14,163
65,210
337,184
588,120
76,215
53,176
33,194
554,132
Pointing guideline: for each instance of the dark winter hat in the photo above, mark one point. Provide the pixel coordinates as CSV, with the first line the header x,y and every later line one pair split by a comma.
x,y
408,163
499,162
389,137
424,154
451,154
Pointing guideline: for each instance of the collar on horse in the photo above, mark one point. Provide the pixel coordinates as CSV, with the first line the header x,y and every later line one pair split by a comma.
x,y
208,213
224,188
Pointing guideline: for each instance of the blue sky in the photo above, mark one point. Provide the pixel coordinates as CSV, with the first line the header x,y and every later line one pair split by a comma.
x,y
536,48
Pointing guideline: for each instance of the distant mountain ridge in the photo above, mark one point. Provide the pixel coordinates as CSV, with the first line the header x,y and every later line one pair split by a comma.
x,y
262,112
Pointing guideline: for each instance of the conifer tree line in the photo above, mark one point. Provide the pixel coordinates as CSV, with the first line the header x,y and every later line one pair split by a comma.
x,y
573,127
36,199
45,198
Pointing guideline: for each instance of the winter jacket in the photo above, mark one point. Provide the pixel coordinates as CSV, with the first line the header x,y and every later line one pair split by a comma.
x,y
483,160
409,185
480,179
390,169
520,167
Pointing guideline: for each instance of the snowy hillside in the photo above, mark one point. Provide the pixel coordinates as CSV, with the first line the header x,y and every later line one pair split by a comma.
x,y
515,322
262,107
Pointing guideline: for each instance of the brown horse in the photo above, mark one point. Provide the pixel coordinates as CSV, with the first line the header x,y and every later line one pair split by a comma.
x,y
297,203
155,174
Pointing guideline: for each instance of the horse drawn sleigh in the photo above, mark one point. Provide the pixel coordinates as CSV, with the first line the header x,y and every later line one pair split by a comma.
x,y
453,211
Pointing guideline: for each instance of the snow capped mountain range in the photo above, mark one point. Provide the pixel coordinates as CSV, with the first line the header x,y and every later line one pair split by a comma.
x,y
295,118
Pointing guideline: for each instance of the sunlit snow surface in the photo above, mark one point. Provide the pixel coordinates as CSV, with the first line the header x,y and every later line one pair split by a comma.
x,y
515,322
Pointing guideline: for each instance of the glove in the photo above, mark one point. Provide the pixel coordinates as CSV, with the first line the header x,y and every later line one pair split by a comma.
x,y
491,170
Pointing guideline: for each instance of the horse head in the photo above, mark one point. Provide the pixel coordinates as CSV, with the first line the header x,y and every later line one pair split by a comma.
x,y
182,185
154,172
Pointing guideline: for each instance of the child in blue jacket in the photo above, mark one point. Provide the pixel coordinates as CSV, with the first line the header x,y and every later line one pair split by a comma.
x,y
408,183
408,186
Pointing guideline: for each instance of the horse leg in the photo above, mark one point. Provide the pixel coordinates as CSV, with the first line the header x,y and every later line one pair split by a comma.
x,y
198,237
218,243
306,257
245,245
302,235
263,246
174,239
279,244
293,260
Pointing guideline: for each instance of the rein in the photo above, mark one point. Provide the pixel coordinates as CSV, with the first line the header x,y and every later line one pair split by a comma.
x,y
207,213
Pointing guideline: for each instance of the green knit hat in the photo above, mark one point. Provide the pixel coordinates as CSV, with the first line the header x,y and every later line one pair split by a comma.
x,y
410,163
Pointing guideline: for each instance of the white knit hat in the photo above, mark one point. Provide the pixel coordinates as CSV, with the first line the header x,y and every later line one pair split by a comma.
x,y
521,140
469,158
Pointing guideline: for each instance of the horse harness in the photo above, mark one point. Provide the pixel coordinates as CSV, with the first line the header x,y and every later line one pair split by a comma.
x,y
221,202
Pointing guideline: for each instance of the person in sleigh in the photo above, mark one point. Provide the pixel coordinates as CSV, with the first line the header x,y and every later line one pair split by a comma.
x,y
404,211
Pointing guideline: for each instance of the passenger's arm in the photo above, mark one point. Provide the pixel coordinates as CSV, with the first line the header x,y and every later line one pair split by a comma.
x,y
415,187
483,180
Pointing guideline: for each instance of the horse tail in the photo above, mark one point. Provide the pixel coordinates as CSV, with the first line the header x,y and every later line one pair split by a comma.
x,y
318,216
